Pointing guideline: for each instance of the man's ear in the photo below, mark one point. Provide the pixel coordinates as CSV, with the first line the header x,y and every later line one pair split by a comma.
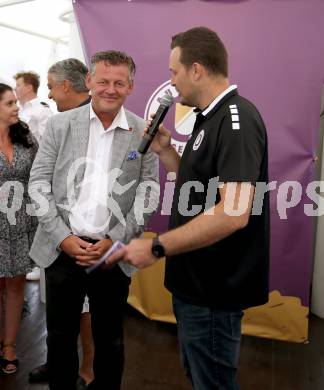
x,y
197,70
88,82
66,85
130,87
30,88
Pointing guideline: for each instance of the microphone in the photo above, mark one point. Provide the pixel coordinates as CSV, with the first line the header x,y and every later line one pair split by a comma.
x,y
165,103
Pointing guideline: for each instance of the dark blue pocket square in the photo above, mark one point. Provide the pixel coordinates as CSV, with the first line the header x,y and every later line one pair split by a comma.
x,y
132,155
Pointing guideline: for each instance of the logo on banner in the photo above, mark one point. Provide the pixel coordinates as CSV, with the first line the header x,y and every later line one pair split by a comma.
x,y
184,117
198,140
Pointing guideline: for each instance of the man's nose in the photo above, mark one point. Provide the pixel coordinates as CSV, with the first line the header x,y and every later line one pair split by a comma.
x,y
110,88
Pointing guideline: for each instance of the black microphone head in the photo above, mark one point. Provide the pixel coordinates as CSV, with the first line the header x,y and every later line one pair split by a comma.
x,y
167,100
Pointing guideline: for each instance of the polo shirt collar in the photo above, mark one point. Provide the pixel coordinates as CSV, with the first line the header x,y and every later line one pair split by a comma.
x,y
217,99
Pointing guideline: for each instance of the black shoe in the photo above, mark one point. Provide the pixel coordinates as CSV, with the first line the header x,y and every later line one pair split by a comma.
x,y
39,375
81,384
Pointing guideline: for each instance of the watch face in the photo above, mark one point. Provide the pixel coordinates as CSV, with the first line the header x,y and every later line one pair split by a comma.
x,y
157,248
156,253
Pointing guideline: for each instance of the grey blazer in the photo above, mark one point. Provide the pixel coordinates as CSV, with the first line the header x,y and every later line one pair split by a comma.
x,y
65,141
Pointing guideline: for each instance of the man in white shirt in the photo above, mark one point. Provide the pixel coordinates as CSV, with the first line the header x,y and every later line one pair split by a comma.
x,y
96,189
31,109
66,82
33,112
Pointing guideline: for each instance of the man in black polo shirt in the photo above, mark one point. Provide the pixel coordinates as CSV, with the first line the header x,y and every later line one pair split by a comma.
x,y
217,250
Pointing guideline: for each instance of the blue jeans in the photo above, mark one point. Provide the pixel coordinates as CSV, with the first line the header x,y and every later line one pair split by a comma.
x,y
210,345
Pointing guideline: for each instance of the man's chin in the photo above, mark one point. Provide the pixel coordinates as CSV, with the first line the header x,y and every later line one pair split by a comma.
x,y
109,107
185,102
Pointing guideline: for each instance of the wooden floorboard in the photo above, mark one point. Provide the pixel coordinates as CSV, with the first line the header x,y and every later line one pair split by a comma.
x,y
152,356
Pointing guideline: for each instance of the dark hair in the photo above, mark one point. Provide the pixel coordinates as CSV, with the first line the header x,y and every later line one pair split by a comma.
x,y
202,45
19,132
30,78
72,70
114,57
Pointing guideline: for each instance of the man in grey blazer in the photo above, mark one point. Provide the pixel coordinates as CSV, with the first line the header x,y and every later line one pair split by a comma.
x,y
91,188
66,82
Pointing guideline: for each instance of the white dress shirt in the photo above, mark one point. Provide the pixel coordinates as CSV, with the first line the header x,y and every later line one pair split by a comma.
x,y
90,215
35,114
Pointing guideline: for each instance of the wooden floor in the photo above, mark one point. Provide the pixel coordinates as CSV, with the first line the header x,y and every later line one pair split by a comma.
x,y
152,359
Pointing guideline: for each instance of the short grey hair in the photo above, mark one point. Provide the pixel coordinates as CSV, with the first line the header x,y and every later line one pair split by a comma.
x,y
72,70
114,57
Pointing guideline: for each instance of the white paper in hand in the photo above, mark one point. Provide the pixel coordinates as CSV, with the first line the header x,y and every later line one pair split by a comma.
x,y
115,247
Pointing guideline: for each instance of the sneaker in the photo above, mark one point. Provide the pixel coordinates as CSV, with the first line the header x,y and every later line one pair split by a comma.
x,y
34,274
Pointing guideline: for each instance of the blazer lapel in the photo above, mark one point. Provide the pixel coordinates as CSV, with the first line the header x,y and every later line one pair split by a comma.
x,y
80,137
122,139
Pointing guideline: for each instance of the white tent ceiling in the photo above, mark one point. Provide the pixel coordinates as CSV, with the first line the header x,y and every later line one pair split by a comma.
x,y
37,16
33,35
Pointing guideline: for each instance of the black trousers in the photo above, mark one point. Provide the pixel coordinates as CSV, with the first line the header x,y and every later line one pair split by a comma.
x,y
66,286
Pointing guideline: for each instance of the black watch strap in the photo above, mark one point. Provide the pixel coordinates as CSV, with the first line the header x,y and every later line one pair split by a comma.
x,y
157,248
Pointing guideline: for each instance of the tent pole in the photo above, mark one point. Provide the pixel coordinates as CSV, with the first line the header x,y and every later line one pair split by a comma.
x,y
13,2
36,34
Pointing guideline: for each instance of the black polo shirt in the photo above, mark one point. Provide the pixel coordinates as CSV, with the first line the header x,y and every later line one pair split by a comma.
x,y
229,142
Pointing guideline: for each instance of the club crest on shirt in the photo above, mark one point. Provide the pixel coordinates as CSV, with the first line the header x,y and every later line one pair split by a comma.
x,y
198,140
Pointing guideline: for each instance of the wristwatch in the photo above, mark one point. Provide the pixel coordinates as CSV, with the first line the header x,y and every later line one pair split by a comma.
x,y
157,248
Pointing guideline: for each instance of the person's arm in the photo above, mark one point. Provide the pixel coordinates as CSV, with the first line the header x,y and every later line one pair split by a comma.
x,y
161,145
214,225
40,191
205,229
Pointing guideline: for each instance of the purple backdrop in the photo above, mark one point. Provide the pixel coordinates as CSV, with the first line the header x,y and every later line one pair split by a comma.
x,y
276,56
